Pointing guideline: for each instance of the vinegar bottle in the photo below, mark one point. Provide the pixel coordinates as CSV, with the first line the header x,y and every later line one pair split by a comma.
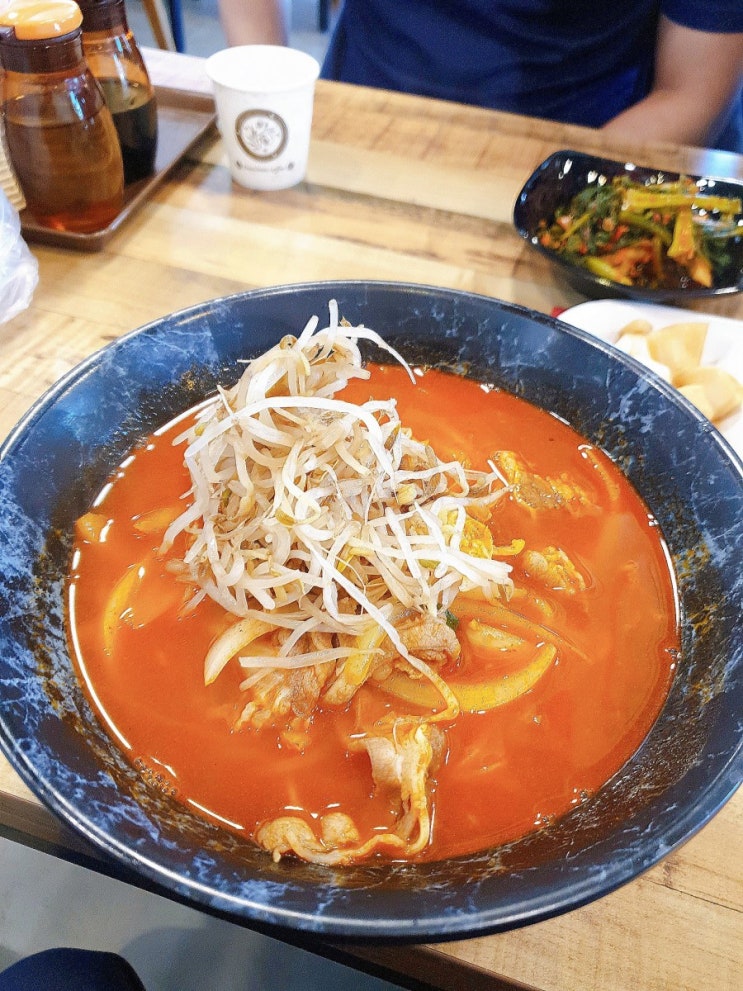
x,y
59,132
116,62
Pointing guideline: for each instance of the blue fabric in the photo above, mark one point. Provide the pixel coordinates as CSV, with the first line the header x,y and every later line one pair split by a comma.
x,y
709,15
577,61
66,969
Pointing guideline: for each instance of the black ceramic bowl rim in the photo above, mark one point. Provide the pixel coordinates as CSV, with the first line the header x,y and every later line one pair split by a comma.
x,y
541,195
83,427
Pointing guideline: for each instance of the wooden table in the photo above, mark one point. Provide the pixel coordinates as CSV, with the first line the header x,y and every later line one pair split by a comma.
x,y
405,189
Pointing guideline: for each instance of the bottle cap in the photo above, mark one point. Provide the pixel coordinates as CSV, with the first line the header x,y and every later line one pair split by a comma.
x,y
41,20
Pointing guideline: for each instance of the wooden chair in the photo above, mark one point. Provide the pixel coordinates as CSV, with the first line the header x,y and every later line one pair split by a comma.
x,y
166,21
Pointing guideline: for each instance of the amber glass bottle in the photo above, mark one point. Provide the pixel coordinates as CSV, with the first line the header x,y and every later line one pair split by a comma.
x,y
116,62
60,134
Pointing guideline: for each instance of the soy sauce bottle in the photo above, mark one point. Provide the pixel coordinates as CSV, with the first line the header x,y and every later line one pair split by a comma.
x,y
59,132
117,63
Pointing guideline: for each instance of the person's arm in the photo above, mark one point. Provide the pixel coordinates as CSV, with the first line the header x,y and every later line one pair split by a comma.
x,y
253,22
696,76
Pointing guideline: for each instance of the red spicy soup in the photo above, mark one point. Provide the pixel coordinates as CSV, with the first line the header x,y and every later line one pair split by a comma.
x,y
507,771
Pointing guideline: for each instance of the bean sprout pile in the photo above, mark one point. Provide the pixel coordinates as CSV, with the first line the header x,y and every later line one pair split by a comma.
x,y
323,516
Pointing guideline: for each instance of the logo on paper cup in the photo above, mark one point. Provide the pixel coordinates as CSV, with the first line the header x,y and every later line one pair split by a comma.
x,y
262,134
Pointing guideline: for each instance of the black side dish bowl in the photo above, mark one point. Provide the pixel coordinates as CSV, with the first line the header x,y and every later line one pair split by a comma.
x,y
59,456
563,175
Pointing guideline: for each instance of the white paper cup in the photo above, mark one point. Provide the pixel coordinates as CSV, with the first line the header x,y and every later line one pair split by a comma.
x,y
264,96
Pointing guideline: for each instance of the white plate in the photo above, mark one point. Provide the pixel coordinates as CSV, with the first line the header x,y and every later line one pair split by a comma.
x,y
723,347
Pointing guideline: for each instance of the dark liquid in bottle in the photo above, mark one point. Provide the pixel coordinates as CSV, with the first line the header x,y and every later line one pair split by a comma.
x,y
134,112
66,190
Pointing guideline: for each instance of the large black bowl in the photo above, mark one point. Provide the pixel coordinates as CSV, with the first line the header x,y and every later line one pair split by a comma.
x,y
560,177
58,458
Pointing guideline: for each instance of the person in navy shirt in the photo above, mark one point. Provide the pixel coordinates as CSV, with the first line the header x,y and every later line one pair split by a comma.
x,y
661,70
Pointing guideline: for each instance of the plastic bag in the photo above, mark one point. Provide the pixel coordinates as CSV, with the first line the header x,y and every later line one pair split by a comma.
x,y
19,270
